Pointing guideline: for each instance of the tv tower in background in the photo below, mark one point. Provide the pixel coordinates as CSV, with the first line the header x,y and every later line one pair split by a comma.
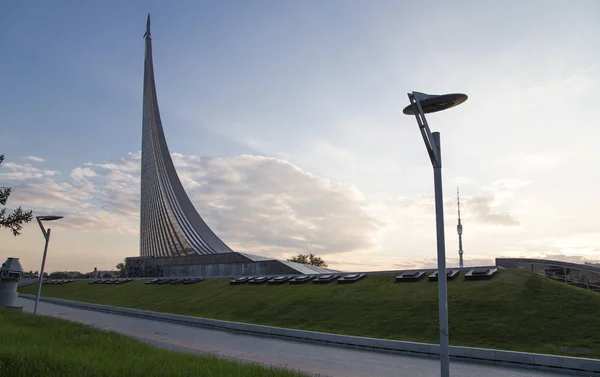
x,y
459,228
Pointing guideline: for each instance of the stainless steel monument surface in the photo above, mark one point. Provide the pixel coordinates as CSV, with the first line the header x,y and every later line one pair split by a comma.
x,y
170,226
174,239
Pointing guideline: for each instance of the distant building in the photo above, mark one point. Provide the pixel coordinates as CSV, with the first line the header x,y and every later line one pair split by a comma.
x,y
582,275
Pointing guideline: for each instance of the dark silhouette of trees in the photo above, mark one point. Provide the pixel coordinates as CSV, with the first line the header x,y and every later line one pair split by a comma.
x,y
15,220
311,259
60,275
121,268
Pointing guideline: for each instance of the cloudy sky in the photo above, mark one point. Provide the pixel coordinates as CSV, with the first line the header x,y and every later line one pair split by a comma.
x,y
285,123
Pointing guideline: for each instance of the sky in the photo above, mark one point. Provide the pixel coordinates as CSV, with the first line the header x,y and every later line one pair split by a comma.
x,y
284,120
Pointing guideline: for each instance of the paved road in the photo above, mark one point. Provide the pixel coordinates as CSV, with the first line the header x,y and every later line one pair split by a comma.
x,y
307,357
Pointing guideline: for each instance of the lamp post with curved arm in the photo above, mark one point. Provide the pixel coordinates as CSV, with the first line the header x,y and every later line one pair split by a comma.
x,y
421,104
46,234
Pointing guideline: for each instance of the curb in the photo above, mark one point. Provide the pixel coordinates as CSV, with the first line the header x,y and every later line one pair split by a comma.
x,y
572,365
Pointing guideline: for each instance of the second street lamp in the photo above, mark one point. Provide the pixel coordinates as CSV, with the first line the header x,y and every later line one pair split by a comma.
x,y
46,234
421,104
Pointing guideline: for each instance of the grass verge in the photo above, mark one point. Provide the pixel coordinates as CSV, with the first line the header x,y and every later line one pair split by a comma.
x,y
45,346
516,310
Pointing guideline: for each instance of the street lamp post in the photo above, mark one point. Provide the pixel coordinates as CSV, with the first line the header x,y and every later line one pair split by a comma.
x,y
420,104
46,234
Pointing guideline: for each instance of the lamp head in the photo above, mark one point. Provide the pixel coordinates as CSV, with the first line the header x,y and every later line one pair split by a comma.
x,y
431,103
48,218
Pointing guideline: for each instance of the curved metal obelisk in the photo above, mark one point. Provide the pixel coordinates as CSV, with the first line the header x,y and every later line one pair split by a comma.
x,y
170,226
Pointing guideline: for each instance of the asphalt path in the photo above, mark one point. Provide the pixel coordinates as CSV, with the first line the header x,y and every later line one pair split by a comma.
x,y
311,358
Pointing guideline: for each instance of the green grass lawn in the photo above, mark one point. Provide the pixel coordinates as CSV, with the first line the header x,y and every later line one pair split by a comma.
x,y
516,310
44,346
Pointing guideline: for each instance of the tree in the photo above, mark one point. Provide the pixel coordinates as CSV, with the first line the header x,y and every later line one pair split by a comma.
x,y
121,267
15,220
311,259
59,275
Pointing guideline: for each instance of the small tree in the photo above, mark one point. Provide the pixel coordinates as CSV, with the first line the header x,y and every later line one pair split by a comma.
x,y
311,259
300,258
317,261
121,267
15,220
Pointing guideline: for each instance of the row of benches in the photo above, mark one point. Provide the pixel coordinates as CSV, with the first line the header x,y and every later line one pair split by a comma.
x,y
478,273
110,281
186,281
58,281
323,279
473,274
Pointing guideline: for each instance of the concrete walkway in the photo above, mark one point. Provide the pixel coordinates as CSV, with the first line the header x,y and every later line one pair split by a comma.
x,y
307,357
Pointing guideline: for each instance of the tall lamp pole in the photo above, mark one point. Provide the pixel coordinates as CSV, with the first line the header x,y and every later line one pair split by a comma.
x,y
421,104
459,229
46,234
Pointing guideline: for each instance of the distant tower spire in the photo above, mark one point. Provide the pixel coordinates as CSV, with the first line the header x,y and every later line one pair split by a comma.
x,y
459,228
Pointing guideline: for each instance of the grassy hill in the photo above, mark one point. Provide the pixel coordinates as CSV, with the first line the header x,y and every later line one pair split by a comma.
x,y
52,347
516,310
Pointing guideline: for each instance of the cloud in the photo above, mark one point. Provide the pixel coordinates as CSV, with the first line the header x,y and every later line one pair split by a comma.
x,y
378,262
331,152
463,181
543,161
129,163
482,210
122,198
570,258
33,158
19,176
47,194
19,172
254,203
13,166
81,173
116,175
508,184
584,246
270,206
98,221
479,208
